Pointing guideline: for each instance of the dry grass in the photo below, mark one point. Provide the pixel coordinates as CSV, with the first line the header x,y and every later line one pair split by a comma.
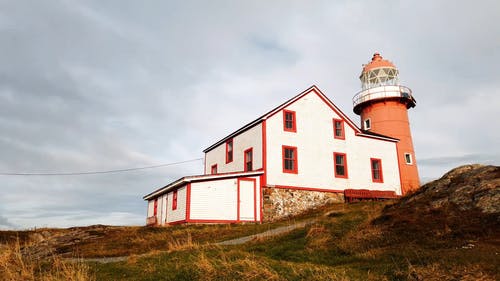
x,y
436,271
225,267
179,244
318,238
239,265
16,266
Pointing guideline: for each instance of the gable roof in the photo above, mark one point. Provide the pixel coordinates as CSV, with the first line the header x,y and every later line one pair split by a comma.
x,y
280,107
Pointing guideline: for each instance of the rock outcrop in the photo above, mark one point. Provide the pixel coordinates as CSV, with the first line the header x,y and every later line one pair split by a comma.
x,y
469,187
463,204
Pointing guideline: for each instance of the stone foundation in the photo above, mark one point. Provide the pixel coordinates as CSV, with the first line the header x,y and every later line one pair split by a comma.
x,y
281,202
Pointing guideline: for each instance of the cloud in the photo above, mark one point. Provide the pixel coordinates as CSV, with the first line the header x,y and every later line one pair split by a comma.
x,y
6,224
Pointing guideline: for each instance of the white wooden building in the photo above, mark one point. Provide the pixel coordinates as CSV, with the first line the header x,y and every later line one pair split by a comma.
x,y
306,143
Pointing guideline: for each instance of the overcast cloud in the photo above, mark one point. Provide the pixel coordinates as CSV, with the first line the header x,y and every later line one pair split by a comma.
x,y
102,85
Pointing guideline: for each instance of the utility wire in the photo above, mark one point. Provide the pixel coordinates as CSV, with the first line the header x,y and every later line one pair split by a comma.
x,y
100,172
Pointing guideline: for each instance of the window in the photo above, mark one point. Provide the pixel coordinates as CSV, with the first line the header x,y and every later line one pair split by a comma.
x,y
248,160
229,151
340,165
367,124
289,122
338,129
155,210
213,169
408,158
376,165
289,159
174,200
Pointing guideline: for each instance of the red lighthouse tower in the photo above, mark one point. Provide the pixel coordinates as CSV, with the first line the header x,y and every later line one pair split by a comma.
x,y
383,106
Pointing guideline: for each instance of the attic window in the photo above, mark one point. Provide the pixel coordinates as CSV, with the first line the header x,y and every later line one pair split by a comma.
x,y
289,122
338,129
408,159
367,124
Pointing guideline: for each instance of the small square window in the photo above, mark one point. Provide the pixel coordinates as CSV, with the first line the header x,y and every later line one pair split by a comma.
x,y
408,159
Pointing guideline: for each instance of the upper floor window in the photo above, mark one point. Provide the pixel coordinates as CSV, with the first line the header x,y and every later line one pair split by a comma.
x,y
289,122
376,166
174,200
248,157
340,161
338,129
408,159
213,169
229,151
289,159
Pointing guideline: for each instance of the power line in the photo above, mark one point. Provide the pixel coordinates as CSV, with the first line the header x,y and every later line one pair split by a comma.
x,y
100,172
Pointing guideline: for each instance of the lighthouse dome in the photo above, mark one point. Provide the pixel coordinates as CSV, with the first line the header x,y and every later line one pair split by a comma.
x,y
379,72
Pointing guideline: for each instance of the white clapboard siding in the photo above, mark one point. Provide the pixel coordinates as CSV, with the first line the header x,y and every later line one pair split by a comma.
x,y
316,144
214,200
151,206
217,200
251,138
178,214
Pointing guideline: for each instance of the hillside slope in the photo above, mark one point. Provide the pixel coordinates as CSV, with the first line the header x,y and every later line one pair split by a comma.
x,y
447,230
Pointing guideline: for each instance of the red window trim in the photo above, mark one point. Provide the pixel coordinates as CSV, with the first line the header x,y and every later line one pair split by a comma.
x,y
174,200
335,154
295,167
230,141
342,137
245,159
212,168
294,121
381,180
155,209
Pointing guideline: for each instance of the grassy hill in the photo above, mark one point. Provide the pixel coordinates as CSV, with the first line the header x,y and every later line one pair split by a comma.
x,y
448,230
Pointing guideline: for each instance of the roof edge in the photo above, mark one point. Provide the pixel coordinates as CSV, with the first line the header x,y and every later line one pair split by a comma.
x,y
261,118
197,178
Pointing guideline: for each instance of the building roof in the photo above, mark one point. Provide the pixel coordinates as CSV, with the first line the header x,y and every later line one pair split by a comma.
x,y
366,132
314,89
377,62
197,178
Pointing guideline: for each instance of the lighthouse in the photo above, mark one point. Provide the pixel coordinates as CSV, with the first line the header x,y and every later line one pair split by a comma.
x,y
383,107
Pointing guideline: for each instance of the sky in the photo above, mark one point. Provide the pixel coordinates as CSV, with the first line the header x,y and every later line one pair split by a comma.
x,y
104,85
